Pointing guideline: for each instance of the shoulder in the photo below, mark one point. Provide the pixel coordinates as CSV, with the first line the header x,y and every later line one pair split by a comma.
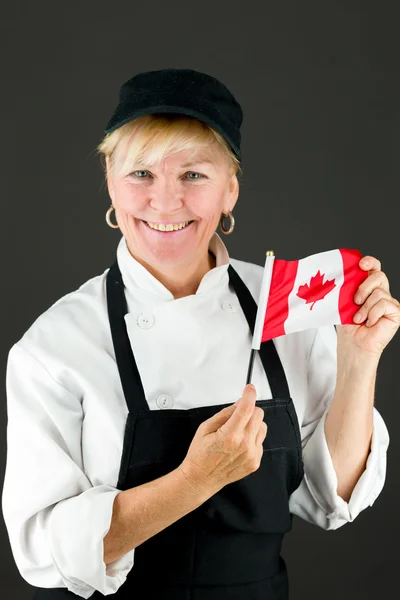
x,y
251,273
71,328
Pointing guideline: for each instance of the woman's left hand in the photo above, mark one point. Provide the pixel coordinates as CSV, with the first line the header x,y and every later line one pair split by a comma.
x,y
379,311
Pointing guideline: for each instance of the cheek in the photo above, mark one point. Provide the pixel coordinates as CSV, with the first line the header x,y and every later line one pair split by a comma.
x,y
129,200
206,203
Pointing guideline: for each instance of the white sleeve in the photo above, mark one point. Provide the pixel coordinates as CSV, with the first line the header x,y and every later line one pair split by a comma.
x,y
316,499
56,520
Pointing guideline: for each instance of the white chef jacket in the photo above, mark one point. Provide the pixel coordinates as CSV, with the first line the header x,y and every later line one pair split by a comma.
x,y
67,412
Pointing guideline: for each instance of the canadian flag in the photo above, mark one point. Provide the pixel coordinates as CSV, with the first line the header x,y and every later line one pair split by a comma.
x,y
311,292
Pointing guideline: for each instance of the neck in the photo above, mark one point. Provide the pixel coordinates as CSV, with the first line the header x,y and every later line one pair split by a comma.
x,y
188,280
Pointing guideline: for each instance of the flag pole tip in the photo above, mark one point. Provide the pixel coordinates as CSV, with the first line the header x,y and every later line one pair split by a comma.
x,y
270,253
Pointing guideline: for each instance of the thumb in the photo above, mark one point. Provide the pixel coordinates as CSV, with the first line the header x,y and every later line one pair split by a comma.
x,y
216,421
220,418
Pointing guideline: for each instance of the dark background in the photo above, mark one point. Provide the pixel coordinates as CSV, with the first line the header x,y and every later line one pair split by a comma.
x,y
319,86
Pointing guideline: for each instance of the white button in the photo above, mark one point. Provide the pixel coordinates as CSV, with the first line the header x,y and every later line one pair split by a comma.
x,y
229,306
145,320
164,401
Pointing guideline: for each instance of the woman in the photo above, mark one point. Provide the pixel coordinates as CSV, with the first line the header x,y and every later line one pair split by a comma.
x,y
131,468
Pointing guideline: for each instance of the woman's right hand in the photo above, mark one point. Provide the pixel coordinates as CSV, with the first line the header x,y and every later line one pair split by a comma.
x,y
228,446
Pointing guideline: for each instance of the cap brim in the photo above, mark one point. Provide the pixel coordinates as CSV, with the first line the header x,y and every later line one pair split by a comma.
x,y
112,126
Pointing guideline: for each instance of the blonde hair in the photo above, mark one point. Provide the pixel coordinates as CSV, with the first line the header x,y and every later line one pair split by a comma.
x,y
150,138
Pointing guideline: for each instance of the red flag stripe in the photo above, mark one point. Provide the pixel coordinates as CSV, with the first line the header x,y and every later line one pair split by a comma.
x,y
353,277
282,281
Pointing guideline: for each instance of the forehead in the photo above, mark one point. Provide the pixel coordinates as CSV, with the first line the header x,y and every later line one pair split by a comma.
x,y
189,157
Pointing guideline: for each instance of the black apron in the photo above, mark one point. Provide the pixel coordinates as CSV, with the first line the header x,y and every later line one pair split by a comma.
x,y
229,547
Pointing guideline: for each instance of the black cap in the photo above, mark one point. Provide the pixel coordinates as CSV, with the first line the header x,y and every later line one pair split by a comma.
x,y
182,91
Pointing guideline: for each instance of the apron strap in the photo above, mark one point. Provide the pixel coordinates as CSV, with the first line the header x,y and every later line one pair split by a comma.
x,y
268,353
128,371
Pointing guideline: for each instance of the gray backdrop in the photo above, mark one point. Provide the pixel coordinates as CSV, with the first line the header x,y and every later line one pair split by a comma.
x,y
319,85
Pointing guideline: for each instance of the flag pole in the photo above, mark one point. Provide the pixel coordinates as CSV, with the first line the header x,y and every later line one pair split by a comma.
x,y
261,310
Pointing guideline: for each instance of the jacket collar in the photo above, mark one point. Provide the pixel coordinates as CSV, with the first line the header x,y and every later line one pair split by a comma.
x,y
135,275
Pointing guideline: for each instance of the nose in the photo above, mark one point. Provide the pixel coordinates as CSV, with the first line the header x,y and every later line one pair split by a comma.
x,y
166,197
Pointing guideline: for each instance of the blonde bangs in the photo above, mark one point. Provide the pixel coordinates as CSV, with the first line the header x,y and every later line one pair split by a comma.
x,y
151,138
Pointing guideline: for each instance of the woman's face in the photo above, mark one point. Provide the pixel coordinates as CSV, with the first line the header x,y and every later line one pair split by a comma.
x,y
173,191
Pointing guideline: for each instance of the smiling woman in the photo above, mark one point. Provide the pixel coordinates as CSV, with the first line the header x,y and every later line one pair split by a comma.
x,y
167,213
138,465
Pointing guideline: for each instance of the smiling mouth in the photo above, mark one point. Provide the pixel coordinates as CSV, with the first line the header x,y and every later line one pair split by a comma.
x,y
167,230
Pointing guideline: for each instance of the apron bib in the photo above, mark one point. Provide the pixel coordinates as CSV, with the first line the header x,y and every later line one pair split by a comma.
x,y
229,547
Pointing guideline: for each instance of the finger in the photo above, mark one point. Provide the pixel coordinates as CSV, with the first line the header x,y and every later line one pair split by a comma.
x,y
261,434
243,412
377,295
370,262
384,308
378,279
255,423
220,418
216,421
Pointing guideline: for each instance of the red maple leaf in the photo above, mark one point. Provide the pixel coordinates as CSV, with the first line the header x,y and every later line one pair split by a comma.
x,y
316,290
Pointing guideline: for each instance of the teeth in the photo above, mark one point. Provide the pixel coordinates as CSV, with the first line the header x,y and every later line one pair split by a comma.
x,y
167,227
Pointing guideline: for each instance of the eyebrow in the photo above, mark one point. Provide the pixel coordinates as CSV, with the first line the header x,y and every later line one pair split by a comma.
x,y
197,162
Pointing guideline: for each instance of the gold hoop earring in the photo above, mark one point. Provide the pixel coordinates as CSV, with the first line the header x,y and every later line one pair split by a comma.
x,y
232,225
108,219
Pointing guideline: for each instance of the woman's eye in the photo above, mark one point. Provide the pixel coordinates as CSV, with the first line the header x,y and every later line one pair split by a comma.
x,y
195,173
135,172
